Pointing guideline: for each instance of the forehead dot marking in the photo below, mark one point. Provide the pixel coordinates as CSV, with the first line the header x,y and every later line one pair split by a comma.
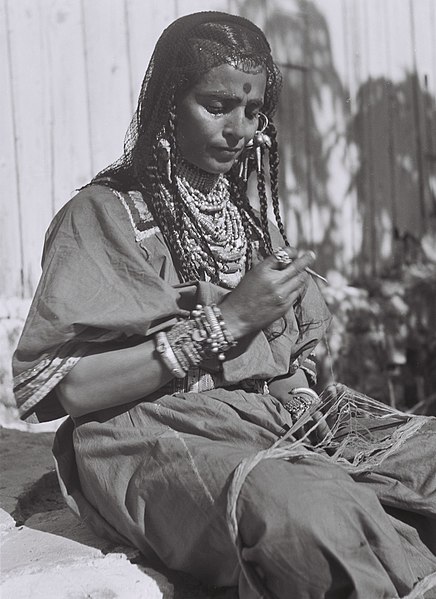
x,y
247,87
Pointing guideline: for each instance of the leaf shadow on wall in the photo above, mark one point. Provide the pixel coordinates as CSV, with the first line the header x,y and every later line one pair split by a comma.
x,y
369,146
394,132
301,44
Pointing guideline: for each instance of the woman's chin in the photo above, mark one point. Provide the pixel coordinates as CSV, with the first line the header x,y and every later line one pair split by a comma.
x,y
215,167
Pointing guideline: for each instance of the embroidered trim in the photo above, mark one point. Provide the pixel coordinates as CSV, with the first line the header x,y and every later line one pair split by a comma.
x,y
140,217
31,372
45,382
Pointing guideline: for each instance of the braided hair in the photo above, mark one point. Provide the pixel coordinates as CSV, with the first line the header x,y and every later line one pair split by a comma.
x,y
186,50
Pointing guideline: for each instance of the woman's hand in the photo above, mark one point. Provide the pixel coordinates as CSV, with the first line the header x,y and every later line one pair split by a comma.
x,y
265,293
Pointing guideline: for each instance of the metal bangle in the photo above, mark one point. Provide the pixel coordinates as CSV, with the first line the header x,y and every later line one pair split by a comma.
x,y
168,357
302,400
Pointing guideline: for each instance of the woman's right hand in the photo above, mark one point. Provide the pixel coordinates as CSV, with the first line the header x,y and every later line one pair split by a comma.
x,y
265,293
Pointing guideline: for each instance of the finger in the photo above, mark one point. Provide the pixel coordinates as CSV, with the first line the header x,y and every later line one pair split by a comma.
x,y
299,265
282,257
291,290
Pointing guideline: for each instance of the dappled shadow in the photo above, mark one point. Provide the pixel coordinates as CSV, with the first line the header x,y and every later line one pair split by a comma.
x,y
394,129
375,151
301,45
376,154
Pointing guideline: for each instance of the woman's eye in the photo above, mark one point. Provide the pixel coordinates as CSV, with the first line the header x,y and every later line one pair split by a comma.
x,y
215,108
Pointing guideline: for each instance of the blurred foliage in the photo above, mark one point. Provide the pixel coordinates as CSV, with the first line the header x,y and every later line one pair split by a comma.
x,y
382,341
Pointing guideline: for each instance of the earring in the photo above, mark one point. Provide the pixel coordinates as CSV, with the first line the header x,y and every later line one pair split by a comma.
x,y
164,155
259,142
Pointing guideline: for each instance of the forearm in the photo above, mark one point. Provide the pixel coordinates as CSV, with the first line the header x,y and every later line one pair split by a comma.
x,y
112,378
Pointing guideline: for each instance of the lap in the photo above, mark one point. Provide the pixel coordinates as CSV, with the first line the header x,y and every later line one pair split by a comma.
x,y
160,473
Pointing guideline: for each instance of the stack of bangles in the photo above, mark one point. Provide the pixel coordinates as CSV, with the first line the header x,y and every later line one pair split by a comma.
x,y
202,336
302,399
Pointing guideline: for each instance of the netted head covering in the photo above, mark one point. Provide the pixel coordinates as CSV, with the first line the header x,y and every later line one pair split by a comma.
x,y
188,48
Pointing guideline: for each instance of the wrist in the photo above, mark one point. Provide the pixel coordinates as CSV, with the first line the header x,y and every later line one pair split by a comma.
x,y
236,327
192,341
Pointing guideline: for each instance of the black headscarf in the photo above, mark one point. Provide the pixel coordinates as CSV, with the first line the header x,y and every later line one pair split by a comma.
x,y
188,48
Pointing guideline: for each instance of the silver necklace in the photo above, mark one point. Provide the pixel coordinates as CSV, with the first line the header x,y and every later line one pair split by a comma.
x,y
218,220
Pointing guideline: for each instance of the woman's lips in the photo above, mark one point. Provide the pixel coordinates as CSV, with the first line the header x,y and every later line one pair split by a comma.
x,y
227,153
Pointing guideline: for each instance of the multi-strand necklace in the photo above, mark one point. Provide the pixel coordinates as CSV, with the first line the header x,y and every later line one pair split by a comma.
x,y
211,219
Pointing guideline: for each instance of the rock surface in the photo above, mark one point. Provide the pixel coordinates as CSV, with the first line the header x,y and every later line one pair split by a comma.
x,y
46,553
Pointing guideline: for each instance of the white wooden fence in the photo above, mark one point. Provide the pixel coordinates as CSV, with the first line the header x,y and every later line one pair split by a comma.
x,y
357,116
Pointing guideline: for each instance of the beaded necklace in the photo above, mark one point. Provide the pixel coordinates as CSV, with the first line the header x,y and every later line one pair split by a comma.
x,y
207,198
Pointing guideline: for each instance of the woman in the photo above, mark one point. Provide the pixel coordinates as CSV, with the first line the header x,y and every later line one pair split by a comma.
x,y
176,332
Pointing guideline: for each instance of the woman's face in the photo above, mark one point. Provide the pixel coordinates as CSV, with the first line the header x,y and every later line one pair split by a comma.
x,y
218,116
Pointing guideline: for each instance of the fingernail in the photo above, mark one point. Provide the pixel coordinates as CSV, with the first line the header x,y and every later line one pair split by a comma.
x,y
311,254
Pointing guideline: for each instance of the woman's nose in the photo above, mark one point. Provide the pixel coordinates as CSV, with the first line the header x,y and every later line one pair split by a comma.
x,y
238,127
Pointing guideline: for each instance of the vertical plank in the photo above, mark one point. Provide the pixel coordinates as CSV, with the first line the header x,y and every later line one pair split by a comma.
x,y
423,45
285,28
430,86
11,237
399,32
402,77
361,135
33,122
380,85
70,131
351,221
391,131
143,28
333,204
108,83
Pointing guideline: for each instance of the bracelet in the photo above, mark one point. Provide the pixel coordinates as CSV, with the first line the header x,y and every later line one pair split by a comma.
x,y
194,340
168,356
227,335
182,340
302,400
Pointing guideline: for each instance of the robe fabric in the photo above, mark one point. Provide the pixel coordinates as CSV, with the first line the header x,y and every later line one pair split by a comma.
x,y
159,473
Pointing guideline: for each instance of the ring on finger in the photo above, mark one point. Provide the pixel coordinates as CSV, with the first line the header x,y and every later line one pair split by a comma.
x,y
282,257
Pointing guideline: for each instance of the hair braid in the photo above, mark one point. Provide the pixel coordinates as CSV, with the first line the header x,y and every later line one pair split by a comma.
x,y
261,190
179,228
238,193
164,219
274,160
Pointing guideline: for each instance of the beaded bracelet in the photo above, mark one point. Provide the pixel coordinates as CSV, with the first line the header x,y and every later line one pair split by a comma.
x,y
228,337
220,338
194,340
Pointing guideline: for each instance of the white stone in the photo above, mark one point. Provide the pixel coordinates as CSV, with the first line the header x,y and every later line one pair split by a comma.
x,y
24,548
112,577
6,521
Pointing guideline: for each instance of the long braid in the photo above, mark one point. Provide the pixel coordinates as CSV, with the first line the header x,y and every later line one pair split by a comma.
x,y
239,197
163,217
180,230
274,180
263,204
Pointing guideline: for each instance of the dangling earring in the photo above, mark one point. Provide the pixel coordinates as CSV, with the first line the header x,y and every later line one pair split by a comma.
x,y
260,141
164,155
